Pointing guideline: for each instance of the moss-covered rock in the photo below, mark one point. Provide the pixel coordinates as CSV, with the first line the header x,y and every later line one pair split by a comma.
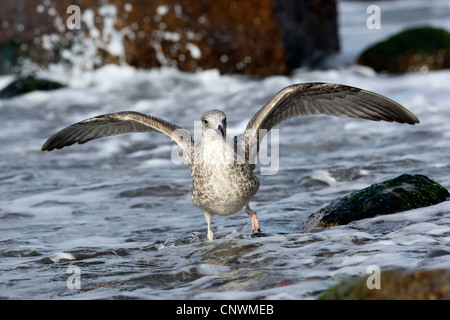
x,y
417,49
394,285
403,193
29,84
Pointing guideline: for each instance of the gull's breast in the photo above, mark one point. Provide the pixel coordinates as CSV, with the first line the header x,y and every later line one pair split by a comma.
x,y
223,189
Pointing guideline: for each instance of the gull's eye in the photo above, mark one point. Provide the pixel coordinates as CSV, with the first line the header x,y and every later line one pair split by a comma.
x,y
205,121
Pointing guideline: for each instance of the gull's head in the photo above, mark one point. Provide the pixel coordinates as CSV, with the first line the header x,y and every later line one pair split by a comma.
x,y
214,124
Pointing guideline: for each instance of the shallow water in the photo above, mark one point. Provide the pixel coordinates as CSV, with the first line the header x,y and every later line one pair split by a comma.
x,y
120,211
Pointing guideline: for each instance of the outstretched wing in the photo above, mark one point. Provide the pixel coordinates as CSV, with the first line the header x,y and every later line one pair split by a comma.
x,y
321,98
118,123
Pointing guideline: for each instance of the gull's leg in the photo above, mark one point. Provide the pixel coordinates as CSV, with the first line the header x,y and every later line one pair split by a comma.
x,y
208,218
255,223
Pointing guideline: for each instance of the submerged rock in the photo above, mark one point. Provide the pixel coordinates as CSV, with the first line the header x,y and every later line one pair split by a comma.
x,y
29,84
394,285
403,193
417,49
21,253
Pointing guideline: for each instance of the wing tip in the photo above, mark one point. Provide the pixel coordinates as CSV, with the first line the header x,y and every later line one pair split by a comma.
x,y
415,121
46,147
411,119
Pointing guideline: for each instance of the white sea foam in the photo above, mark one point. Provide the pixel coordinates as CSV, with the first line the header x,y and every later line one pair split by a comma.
x,y
61,256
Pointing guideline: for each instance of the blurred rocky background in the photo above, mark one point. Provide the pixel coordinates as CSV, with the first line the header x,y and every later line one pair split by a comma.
x,y
418,49
256,37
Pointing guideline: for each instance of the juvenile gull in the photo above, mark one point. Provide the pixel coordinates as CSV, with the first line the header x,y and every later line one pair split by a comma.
x,y
223,169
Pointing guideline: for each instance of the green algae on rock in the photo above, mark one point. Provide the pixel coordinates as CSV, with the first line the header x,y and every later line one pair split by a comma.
x,y
394,285
417,49
403,193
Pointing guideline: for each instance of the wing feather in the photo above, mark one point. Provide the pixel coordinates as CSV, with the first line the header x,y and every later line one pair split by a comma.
x,y
119,123
322,98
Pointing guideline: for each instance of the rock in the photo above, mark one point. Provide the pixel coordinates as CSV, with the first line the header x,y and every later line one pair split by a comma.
x,y
21,253
395,285
437,253
26,85
256,37
417,49
9,53
308,30
403,193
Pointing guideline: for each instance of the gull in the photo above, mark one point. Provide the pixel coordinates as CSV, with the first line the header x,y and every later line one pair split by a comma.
x,y
223,180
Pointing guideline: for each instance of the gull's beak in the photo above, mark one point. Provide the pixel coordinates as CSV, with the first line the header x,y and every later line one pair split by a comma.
x,y
220,128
